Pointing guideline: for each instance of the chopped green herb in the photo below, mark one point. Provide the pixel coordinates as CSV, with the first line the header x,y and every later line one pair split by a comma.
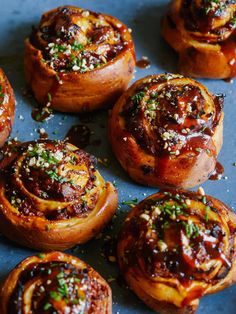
x,y
130,202
41,255
191,229
47,306
55,295
49,97
207,208
76,46
198,149
137,97
204,199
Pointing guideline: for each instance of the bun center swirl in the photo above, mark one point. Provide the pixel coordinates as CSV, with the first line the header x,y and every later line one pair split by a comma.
x,y
179,238
72,39
52,286
172,114
55,181
209,20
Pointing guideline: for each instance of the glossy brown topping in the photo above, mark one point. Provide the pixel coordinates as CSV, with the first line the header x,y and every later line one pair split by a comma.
x,y
209,20
170,115
72,39
179,235
50,179
57,286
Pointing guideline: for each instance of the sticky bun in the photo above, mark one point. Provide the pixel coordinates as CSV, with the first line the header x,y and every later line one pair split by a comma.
x,y
166,131
82,59
7,108
55,283
203,34
52,196
175,247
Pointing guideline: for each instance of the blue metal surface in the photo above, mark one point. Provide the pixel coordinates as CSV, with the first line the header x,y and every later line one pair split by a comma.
x,y
143,16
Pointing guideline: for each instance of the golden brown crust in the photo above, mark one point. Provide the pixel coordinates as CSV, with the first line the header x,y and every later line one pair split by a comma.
x,y
203,34
52,197
102,42
55,281
7,108
166,130
175,247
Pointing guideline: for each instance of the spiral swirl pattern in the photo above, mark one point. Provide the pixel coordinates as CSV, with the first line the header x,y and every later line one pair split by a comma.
x,y
57,283
203,33
167,121
180,245
53,186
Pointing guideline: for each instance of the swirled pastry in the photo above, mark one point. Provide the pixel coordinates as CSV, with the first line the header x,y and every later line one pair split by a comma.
x,y
175,247
203,33
52,197
166,130
7,108
55,283
82,59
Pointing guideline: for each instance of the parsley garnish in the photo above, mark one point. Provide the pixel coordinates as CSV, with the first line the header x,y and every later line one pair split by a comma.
x,y
47,306
137,97
130,202
191,229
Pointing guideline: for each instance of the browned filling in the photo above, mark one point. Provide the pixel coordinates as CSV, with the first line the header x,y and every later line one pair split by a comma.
x,y
52,173
169,238
172,120
77,40
58,286
216,20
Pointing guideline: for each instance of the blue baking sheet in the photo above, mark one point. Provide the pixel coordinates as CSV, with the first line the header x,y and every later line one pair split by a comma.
x,y
143,17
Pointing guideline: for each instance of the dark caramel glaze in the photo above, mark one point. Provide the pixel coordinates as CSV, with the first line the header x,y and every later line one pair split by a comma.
x,y
218,172
175,235
79,135
172,119
143,63
72,39
49,171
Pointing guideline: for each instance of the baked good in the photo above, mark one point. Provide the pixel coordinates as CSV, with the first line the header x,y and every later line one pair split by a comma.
x,y
78,60
52,196
166,131
177,246
7,108
203,34
55,283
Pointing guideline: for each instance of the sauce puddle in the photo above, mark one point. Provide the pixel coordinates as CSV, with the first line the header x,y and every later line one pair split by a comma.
x,y
143,63
79,135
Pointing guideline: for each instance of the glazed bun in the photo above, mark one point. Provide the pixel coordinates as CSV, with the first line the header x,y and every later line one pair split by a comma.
x,y
177,246
166,131
55,283
52,196
203,34
78,60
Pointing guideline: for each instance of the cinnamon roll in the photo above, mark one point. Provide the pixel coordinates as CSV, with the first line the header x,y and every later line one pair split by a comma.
x,y
166,130
52,196
78,60
203,34
55,283
7,108
177,246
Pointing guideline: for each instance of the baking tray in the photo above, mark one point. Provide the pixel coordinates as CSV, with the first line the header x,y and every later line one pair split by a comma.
x,y
143,17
